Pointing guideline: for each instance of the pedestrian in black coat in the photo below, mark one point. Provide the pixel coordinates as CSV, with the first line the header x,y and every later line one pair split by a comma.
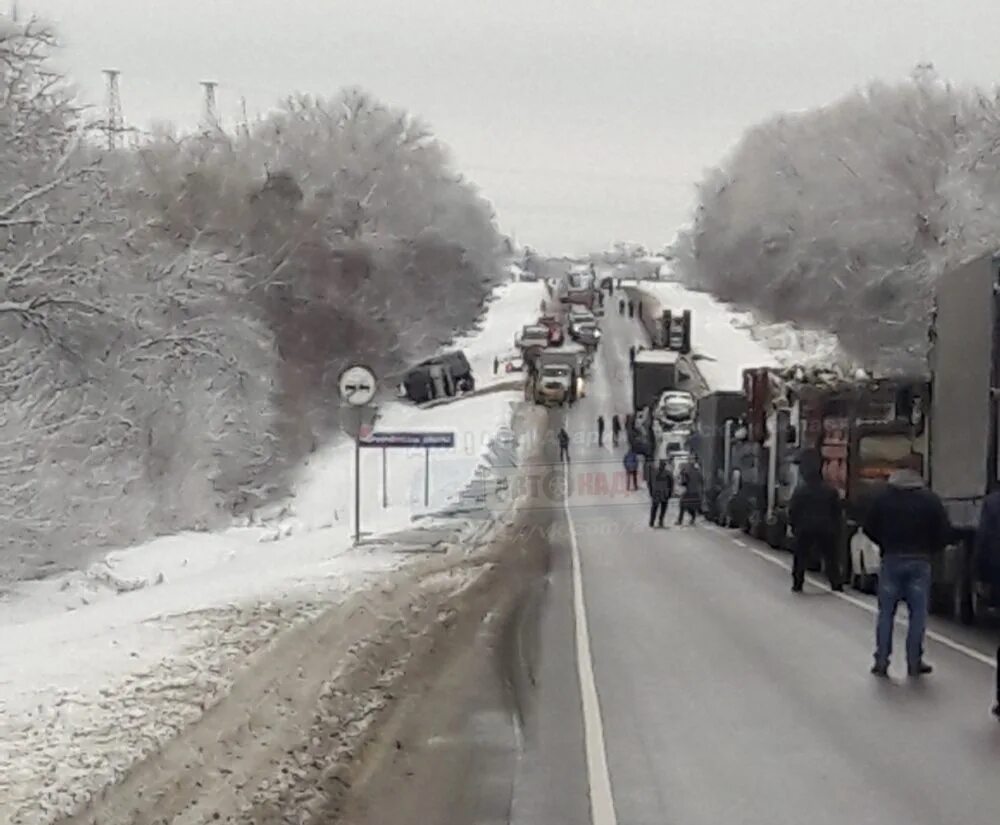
x,y
631,310
661,488
616,429
600,431
563,445
694,487
987,555
814,516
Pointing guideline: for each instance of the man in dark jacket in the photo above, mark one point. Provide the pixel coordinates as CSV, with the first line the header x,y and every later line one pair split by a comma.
x,y
694,487
814,516
563,445
661,488
621,306
616,429
988,558
631,470
600,431
909,524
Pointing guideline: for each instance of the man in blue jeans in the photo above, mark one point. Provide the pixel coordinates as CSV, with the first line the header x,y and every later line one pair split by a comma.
x,y
909,524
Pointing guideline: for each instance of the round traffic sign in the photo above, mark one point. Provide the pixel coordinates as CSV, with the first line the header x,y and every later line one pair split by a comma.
x,y
357,385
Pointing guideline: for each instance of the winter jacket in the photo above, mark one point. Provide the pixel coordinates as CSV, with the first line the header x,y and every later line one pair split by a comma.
x,y
814,508
988,538
616,424
907,519
600,423
563,438
661,486
694,486
631,461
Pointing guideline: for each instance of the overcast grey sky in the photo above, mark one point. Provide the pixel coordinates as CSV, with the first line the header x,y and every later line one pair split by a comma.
x,y
583,121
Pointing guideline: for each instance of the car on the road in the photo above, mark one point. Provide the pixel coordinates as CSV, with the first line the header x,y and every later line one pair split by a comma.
x,y
514,363
587,333
533,335
674,406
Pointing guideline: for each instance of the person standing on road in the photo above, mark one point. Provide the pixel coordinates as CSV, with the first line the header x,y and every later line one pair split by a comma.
x,y
600,431
910,525
661,488
621,306
496,365
631,470
694,487
631,310
616,429
563,445
814,516
987,555
631,356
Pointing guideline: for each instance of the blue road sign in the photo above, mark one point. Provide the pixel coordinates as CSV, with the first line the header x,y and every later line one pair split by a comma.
x,y
421,440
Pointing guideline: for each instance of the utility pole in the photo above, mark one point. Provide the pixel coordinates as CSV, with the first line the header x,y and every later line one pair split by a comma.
x,y
115,121
211,112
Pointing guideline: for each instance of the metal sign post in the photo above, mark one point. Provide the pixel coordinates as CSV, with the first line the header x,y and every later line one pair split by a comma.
x,y
385,481
357,385
426,441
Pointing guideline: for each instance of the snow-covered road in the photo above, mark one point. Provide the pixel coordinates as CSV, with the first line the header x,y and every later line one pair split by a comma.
x,y
99,668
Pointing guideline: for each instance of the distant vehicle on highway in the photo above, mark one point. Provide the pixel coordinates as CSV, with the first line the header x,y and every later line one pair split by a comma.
x,y
532,335
675,406
514,363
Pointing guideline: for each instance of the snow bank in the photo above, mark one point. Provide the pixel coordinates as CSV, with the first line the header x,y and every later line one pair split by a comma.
x,y
731,340
99,667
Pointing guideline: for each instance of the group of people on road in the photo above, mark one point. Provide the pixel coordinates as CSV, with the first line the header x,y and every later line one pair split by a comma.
x,y
616,429
661,490
631,306
909,524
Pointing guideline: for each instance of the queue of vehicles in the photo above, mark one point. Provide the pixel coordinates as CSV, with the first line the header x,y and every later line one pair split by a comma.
x,y
861,429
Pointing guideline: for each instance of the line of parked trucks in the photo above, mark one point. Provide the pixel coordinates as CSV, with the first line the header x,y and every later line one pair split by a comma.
x,y
863,428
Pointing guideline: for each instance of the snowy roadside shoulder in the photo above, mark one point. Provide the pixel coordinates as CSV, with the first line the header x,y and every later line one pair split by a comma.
x,y
100,669
88,694
293,717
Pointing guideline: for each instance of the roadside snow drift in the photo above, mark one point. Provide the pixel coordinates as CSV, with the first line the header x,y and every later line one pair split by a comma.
x,y
731,341
99,668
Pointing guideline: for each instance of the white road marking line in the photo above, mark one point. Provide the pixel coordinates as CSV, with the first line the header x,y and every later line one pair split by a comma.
x,y
940,638
602,803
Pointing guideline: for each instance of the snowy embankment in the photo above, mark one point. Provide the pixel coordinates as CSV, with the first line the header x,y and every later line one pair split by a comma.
x,y
98,669
729,340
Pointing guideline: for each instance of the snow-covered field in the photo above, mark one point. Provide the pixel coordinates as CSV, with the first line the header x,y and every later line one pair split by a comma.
x,y
99,668
730,340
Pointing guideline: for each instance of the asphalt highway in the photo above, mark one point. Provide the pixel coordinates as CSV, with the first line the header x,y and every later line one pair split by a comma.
x,y
680,681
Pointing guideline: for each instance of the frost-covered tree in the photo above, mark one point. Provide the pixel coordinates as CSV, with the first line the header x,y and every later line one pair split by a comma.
x,y
843,217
